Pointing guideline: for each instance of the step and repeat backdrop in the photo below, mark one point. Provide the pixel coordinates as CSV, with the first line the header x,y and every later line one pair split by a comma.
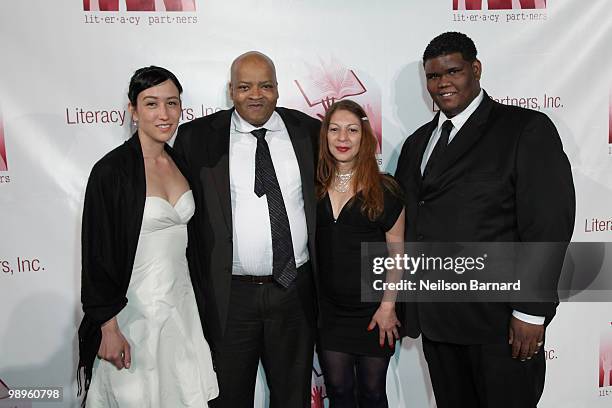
x,y
64,71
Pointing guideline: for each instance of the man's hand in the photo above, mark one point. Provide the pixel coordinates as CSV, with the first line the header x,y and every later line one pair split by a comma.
x,y
114,347
387,322
526,338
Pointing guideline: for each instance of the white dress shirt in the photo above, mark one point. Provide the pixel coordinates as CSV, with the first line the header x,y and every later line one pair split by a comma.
x,y
458,122
252,237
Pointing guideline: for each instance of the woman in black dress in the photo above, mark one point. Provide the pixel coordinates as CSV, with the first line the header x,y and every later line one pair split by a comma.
x,y
356,204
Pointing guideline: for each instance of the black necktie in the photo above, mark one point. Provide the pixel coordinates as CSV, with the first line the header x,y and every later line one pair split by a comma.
x,y
283,261
439,148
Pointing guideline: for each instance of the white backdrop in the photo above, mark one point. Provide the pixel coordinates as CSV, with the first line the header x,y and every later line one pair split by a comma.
x,y
64,73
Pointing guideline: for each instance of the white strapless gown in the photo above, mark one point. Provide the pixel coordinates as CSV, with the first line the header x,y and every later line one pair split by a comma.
x,y
171,361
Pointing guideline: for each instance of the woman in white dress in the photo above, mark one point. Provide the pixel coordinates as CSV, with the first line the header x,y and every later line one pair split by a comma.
x,y
141,317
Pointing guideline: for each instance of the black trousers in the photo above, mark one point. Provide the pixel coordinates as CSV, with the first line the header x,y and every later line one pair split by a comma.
x,y
483,376
276,325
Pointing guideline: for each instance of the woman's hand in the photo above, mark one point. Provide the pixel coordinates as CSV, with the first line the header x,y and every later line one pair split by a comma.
x,y
114,347
387,322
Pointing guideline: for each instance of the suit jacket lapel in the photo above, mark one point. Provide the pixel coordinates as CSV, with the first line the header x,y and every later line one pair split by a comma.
x,y
421,146
219,148
302,146
463,141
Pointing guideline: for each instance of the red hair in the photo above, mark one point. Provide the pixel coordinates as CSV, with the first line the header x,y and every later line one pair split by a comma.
x,y
367,179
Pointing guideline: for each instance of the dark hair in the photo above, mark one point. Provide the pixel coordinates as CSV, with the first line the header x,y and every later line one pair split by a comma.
x,y
367,176
450,43
146,77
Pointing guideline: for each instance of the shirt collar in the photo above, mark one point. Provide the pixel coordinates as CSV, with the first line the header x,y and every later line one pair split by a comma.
x,y
460,119
240,125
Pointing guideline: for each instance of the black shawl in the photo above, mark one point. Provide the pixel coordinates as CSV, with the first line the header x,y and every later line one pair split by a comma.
x,y
112,218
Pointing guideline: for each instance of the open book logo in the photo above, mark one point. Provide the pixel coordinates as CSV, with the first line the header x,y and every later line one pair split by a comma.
x,y
322,85
329,83
3,161
498,4
139,5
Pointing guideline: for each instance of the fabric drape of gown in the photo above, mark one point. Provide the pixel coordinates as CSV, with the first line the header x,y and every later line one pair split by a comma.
x,y
171,361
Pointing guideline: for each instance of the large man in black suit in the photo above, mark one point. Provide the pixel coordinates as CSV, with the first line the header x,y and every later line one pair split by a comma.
x,y
481,171
251,242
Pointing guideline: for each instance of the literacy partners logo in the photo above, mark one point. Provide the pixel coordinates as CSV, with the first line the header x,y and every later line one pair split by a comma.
x,y
130,12
139,5
498,4
499,11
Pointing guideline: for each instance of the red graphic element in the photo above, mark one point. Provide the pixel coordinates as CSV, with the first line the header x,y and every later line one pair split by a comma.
x,y
317,387
3,161
610,124
331,82
103,5
605,360
468,5
316,397
498,4
180,5
375,119
140,5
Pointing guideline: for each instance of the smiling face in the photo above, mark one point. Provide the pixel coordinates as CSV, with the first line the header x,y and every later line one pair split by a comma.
x,y
253,88
344,138
452,82
157,111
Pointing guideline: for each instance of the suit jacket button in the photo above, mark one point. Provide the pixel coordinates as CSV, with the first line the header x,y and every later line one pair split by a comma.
x,y
420,237
421,203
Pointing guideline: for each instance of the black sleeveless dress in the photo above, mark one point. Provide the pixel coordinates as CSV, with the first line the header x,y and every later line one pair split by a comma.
x,y
343,317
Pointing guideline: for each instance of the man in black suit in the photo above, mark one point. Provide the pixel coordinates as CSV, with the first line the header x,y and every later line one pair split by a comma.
x,y
481,171
251,242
